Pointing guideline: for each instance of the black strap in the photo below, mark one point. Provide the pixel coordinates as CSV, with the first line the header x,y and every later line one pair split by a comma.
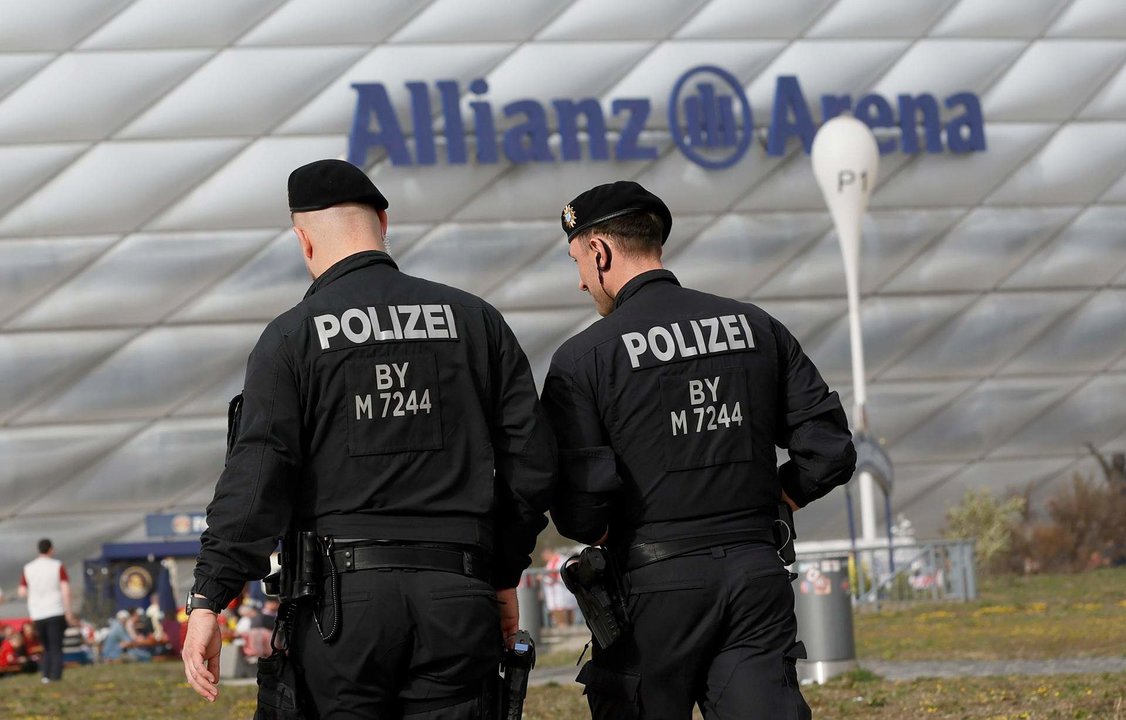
x,y
409,557
646,553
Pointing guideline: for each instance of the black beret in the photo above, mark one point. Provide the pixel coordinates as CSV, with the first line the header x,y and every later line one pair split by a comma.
x,y
609,201
325,183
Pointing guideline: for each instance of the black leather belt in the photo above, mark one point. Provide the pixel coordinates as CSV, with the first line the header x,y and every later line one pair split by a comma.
x,y
646,553
409,557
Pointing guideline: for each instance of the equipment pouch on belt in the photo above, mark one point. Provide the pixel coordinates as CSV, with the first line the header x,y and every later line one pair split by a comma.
x,y
516,665
594,580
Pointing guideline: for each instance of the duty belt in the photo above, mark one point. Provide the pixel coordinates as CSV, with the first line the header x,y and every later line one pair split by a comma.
x,y
645,553
409,557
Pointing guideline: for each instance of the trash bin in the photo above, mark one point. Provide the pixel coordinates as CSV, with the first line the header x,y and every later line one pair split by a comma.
x,y
823,603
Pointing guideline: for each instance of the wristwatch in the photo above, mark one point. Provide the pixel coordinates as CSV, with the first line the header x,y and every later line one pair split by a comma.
x,y
196,602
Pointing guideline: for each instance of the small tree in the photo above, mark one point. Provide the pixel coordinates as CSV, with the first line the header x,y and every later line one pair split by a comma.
x,y
992,525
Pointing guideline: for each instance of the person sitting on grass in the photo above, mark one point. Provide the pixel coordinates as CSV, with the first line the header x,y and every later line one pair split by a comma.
x,y
122,641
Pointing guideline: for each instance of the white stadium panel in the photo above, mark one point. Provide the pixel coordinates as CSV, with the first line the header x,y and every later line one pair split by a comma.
x,y
453,22
790,184
267,85
888,242
973,18
341,22
1089,251
946,67
1090,18
150,24
166,270
599,20
736,254
897,408
807,320
1053,79
161,368
171,455
1092,414
52,24
109,87
15,68
248,191
38,459
988,333
1085,340
34,364
1116,193
26,167
721,19
691,188
116,187
1110,102
983,249
33,267
879,18
1076,166
214,400
978,421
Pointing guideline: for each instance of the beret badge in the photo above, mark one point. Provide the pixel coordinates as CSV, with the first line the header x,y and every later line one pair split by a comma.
x,y
569,218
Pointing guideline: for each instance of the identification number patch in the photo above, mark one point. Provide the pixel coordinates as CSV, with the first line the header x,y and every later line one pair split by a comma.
x,y
393,405
707,419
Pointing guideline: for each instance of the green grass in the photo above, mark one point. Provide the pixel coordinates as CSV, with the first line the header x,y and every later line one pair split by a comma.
x,y
1016,618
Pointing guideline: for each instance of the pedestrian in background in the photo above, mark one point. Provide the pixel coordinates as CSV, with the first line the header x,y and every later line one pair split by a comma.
x,y
47,588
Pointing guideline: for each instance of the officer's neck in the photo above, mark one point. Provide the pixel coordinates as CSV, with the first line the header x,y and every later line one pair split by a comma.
x,y
344,247
626,269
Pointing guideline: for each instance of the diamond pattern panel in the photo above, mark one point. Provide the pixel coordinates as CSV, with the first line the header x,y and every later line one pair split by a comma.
x,y
146,146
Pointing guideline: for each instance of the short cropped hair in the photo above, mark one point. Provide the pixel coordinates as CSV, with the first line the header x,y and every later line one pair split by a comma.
x,y
45,546
636,234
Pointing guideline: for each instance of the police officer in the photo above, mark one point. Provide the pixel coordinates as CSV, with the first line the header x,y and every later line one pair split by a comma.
x,y
397,419
667,413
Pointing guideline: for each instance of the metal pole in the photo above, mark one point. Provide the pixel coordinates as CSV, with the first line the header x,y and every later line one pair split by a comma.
x,y
852,542
891,541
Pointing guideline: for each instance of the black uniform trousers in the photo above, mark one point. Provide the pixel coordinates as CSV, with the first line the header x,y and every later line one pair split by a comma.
x,y
51,632
714,628
415,644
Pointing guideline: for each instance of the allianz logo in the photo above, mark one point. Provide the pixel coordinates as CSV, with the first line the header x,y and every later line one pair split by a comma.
x,y
709,118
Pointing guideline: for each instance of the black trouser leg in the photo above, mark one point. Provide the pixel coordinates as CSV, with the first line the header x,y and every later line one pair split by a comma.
x,y
51,636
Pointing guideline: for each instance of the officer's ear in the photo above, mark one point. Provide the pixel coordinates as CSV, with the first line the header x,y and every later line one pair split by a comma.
x,y
306,243
382,222
601,251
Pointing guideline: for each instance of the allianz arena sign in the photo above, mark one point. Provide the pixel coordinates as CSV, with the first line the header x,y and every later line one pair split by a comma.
x,y
709,117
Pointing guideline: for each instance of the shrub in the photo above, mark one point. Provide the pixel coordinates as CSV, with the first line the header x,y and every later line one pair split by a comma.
x,y
993,525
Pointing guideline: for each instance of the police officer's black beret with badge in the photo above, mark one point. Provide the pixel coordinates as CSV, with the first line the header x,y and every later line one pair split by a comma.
x,y
606,202
325,183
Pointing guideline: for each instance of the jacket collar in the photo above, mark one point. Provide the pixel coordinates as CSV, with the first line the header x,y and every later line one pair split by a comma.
x,y
359,260
639,281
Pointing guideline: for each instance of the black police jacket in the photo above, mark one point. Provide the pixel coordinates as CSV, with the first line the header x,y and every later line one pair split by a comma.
x,y
668,412
382,406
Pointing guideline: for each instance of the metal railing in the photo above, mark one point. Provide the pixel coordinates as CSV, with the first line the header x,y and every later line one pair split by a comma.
x,y
934,570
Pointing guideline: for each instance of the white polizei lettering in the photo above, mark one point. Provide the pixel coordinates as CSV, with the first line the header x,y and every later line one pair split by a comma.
x,y
685,351
450,321
713,385
696,392
376,331
411,330
747,329
402,373
393,311
383,379
714,343
434,317
346,325
363,406
699,336
328,327
659,333
635,346
731,327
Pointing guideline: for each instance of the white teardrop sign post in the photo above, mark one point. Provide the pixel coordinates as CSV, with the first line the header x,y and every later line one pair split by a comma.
x,y
845,162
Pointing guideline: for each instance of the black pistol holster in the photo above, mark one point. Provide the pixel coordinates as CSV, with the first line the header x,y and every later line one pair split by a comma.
x,y
516,665
296,583
593,578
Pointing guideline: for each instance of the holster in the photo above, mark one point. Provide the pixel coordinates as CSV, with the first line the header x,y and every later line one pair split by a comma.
x,y
594,580
277,688
516,665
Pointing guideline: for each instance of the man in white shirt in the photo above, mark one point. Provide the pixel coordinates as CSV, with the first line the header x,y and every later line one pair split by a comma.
x,y
47,588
